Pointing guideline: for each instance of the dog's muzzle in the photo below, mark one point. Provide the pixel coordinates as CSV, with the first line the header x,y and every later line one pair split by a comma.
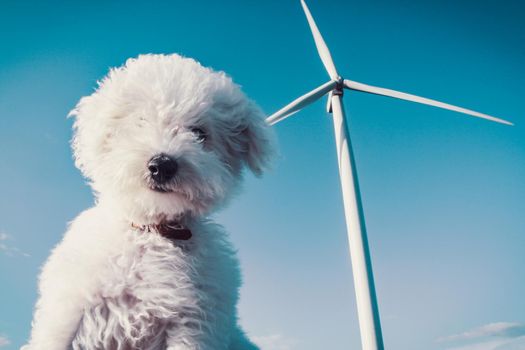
x,y
162,168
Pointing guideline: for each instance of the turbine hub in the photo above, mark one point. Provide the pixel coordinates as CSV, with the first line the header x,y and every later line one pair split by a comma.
x,y
339,86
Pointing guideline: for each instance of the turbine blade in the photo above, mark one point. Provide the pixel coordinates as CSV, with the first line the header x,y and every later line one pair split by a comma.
x,y
301,102
324,53
354,85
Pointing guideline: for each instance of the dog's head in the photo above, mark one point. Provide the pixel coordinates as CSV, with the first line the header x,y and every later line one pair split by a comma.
x,y
164,136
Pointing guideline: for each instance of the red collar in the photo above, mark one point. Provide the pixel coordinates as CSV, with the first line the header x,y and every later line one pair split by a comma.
x,y
172,230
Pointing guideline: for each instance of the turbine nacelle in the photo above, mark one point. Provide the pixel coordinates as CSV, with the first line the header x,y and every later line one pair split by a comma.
x,y
337,91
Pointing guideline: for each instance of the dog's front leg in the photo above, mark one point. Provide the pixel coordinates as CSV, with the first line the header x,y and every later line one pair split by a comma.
x,y
54,324
60,305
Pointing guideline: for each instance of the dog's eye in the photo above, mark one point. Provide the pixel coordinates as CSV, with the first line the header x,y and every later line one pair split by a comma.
x,y
200,134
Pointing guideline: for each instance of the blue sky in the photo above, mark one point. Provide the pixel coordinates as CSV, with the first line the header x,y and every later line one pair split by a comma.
x,y
443,193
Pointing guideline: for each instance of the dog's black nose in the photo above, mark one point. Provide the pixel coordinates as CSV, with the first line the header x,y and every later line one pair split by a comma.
x,y
162,167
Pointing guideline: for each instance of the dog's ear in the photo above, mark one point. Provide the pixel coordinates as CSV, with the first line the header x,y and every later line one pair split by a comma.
x,y
252,139
90,133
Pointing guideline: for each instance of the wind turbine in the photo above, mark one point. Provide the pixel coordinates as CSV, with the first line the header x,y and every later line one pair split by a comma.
x,y
367,309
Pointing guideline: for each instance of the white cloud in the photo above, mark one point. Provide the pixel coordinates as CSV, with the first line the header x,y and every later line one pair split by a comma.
x,y
4,341
499,329
7,248
274,342
492,336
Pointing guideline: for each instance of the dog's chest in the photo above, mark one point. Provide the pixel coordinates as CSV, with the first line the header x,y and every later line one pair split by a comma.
x,y
147,284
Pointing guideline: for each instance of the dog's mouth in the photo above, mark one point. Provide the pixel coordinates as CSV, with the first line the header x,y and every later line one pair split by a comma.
x,y
160,189
156,186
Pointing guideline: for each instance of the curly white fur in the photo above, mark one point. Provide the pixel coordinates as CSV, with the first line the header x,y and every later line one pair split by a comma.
x,y
110,286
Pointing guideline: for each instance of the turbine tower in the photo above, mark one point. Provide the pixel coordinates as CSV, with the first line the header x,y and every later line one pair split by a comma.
x,y
367,309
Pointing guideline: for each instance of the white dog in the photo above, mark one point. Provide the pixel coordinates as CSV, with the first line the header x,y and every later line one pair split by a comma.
x,y
163,142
